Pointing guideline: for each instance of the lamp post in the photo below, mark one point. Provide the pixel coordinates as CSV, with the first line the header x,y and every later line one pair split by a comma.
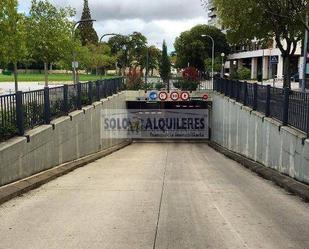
x,y
222,70
213,56
74,64
303,84
111,34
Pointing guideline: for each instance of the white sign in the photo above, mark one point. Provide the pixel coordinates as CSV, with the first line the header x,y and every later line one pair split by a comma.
x,y
75,64
163,96
185,96
174,96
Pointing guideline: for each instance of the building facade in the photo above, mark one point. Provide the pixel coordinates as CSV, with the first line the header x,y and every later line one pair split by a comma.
x,y
264,62
213,19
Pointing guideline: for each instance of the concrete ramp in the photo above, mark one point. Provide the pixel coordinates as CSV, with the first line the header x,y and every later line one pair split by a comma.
x,y
157,195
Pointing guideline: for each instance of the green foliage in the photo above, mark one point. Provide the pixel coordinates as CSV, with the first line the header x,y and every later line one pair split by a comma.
x,y
154,55
217,64
13,35
86,30
49,37
7,124
244,73
250,19
165,64
192,48
186,85
159,86
100,56
129,50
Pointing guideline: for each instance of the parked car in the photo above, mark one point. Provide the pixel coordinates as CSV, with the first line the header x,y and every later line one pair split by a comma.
x,y
295,77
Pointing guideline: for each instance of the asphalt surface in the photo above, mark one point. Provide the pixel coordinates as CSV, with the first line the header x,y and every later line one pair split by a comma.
x,y
152,195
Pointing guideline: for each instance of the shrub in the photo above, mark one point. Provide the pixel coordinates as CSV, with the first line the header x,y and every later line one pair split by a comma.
x,y
186,85
243,73
190,80
159,86
134,80
7,124
191,74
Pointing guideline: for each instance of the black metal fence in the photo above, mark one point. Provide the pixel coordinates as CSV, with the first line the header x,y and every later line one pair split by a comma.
x,y
25,110
287,106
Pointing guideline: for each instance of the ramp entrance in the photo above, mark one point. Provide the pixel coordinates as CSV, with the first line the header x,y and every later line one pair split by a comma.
x,y
174,120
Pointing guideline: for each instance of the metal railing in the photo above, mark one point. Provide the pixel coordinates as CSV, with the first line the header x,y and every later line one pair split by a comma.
x,y
287,106
25,110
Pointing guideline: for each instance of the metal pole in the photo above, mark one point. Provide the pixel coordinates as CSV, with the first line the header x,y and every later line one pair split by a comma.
x,y
147,66
74,54
303,86
213,60
213,56
222,68
73,37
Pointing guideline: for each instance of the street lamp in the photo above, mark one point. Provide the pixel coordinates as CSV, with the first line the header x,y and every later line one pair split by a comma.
x,y
111,34
222,70
213,56
74,64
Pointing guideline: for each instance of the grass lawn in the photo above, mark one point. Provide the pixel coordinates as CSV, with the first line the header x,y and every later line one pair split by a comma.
x,y
51,77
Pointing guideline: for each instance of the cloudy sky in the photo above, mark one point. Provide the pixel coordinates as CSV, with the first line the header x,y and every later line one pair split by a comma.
x,y
157,19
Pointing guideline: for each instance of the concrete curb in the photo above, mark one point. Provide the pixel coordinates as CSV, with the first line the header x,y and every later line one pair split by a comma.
x,y
15,189
289,184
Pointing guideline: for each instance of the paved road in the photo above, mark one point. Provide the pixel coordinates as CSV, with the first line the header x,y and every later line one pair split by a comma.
x,y
154,195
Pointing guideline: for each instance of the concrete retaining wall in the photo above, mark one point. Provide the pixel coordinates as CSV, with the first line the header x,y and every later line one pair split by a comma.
x,y
261,139
66,139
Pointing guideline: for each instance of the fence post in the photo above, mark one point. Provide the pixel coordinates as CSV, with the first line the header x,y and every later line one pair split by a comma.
x,y
237,90
20,113
46,105
79,96
285,120
267,106
245,93
225,87
97,88
255,96
90,92
66,99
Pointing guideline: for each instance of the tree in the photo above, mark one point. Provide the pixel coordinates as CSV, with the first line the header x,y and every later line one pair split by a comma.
x,y
217,64
165,65
13,35
49,35
137,46
120,48
154,55
86,30
129,50
264,20
100,57
193,49
299,11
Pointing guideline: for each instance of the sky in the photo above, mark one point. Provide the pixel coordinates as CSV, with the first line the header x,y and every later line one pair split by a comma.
x,y
156,19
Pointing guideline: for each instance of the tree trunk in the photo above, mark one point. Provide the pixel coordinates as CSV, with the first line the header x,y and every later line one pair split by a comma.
x,y
287,71
15,77
46,73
